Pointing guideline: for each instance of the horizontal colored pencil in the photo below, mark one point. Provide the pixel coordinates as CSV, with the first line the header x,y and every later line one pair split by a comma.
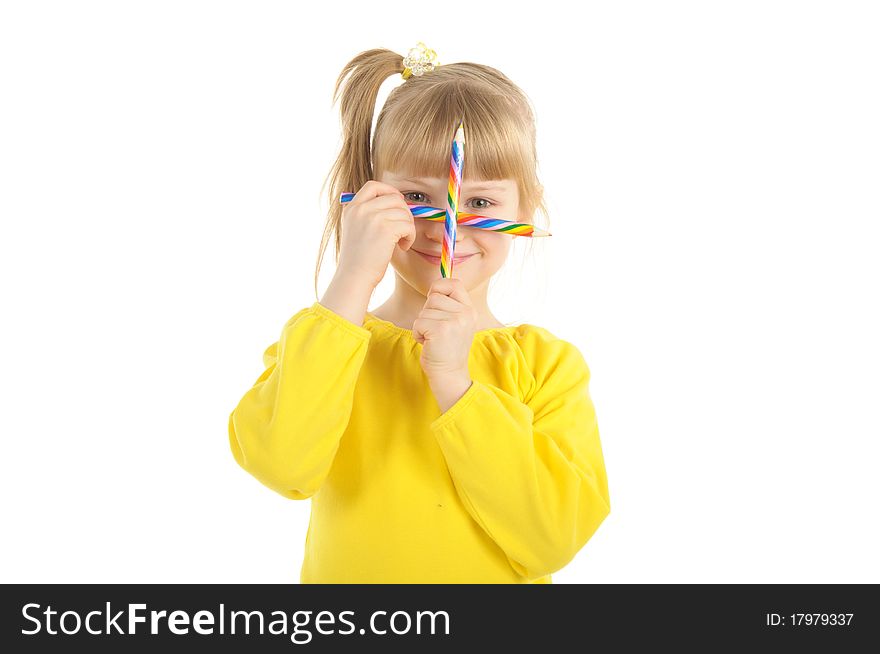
x,y
466,219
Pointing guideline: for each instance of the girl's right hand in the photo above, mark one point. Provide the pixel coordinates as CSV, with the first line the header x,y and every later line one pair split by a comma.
x,y
373,223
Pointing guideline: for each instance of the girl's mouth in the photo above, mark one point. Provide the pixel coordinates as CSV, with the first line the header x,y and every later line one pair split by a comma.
x,y
436,260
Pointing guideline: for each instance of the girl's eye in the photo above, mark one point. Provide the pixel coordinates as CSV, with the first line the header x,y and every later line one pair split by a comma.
x,y
415,193
424,200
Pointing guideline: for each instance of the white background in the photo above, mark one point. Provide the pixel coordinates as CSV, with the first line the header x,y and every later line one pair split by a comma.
x,y
712,173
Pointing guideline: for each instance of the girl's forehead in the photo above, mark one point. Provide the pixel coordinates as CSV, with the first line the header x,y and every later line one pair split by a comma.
x,y
472,184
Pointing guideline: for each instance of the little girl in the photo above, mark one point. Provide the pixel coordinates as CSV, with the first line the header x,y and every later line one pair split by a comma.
x,y
437,444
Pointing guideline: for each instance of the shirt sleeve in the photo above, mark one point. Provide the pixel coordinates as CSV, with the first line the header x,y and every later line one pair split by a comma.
x,y
286,429
531,473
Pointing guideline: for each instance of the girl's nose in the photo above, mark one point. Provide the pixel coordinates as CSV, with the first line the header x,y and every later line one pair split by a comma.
x,y
435,229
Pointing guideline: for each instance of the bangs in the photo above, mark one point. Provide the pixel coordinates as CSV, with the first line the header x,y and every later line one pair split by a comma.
x,y
416,138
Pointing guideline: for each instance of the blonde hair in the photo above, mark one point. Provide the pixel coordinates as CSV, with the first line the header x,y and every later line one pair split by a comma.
x,y
415,126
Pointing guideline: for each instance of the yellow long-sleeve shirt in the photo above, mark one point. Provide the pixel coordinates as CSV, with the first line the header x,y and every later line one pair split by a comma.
x,y
504,487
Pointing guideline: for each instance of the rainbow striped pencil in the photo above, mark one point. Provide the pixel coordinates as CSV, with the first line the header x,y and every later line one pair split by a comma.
x,y
466,219
453,193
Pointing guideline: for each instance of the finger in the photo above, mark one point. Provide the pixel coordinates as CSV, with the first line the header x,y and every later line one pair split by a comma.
x,y
387,201
444,303
374,189
403,225
452,287
436,315
409,236
397,215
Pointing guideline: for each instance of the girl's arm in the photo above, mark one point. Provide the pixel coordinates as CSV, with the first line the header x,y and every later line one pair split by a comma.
x,y
286,429
530,473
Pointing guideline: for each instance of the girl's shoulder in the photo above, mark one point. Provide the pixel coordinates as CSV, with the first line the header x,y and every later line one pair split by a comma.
x,y
539,348
539,359
537,337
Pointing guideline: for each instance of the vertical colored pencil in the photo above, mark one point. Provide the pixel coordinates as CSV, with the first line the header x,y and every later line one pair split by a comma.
x,y
456,166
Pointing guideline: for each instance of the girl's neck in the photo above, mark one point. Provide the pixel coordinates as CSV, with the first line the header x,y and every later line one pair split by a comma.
x,y
405,304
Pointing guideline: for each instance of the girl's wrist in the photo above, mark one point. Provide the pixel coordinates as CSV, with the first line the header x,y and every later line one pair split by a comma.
x,y
352,282
349,297
448,390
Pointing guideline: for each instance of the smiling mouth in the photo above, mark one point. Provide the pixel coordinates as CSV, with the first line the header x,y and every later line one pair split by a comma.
x,y
436,260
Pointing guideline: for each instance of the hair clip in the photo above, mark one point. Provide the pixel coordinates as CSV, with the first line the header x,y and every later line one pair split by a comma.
x,y
420,60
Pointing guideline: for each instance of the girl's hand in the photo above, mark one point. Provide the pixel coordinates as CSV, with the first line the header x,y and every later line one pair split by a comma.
x,y
445,327
372,224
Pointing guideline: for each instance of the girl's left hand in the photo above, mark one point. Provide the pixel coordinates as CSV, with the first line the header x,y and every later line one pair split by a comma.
x,y
445,327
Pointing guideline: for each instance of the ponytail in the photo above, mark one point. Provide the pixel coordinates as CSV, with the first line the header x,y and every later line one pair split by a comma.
x,y
354,166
